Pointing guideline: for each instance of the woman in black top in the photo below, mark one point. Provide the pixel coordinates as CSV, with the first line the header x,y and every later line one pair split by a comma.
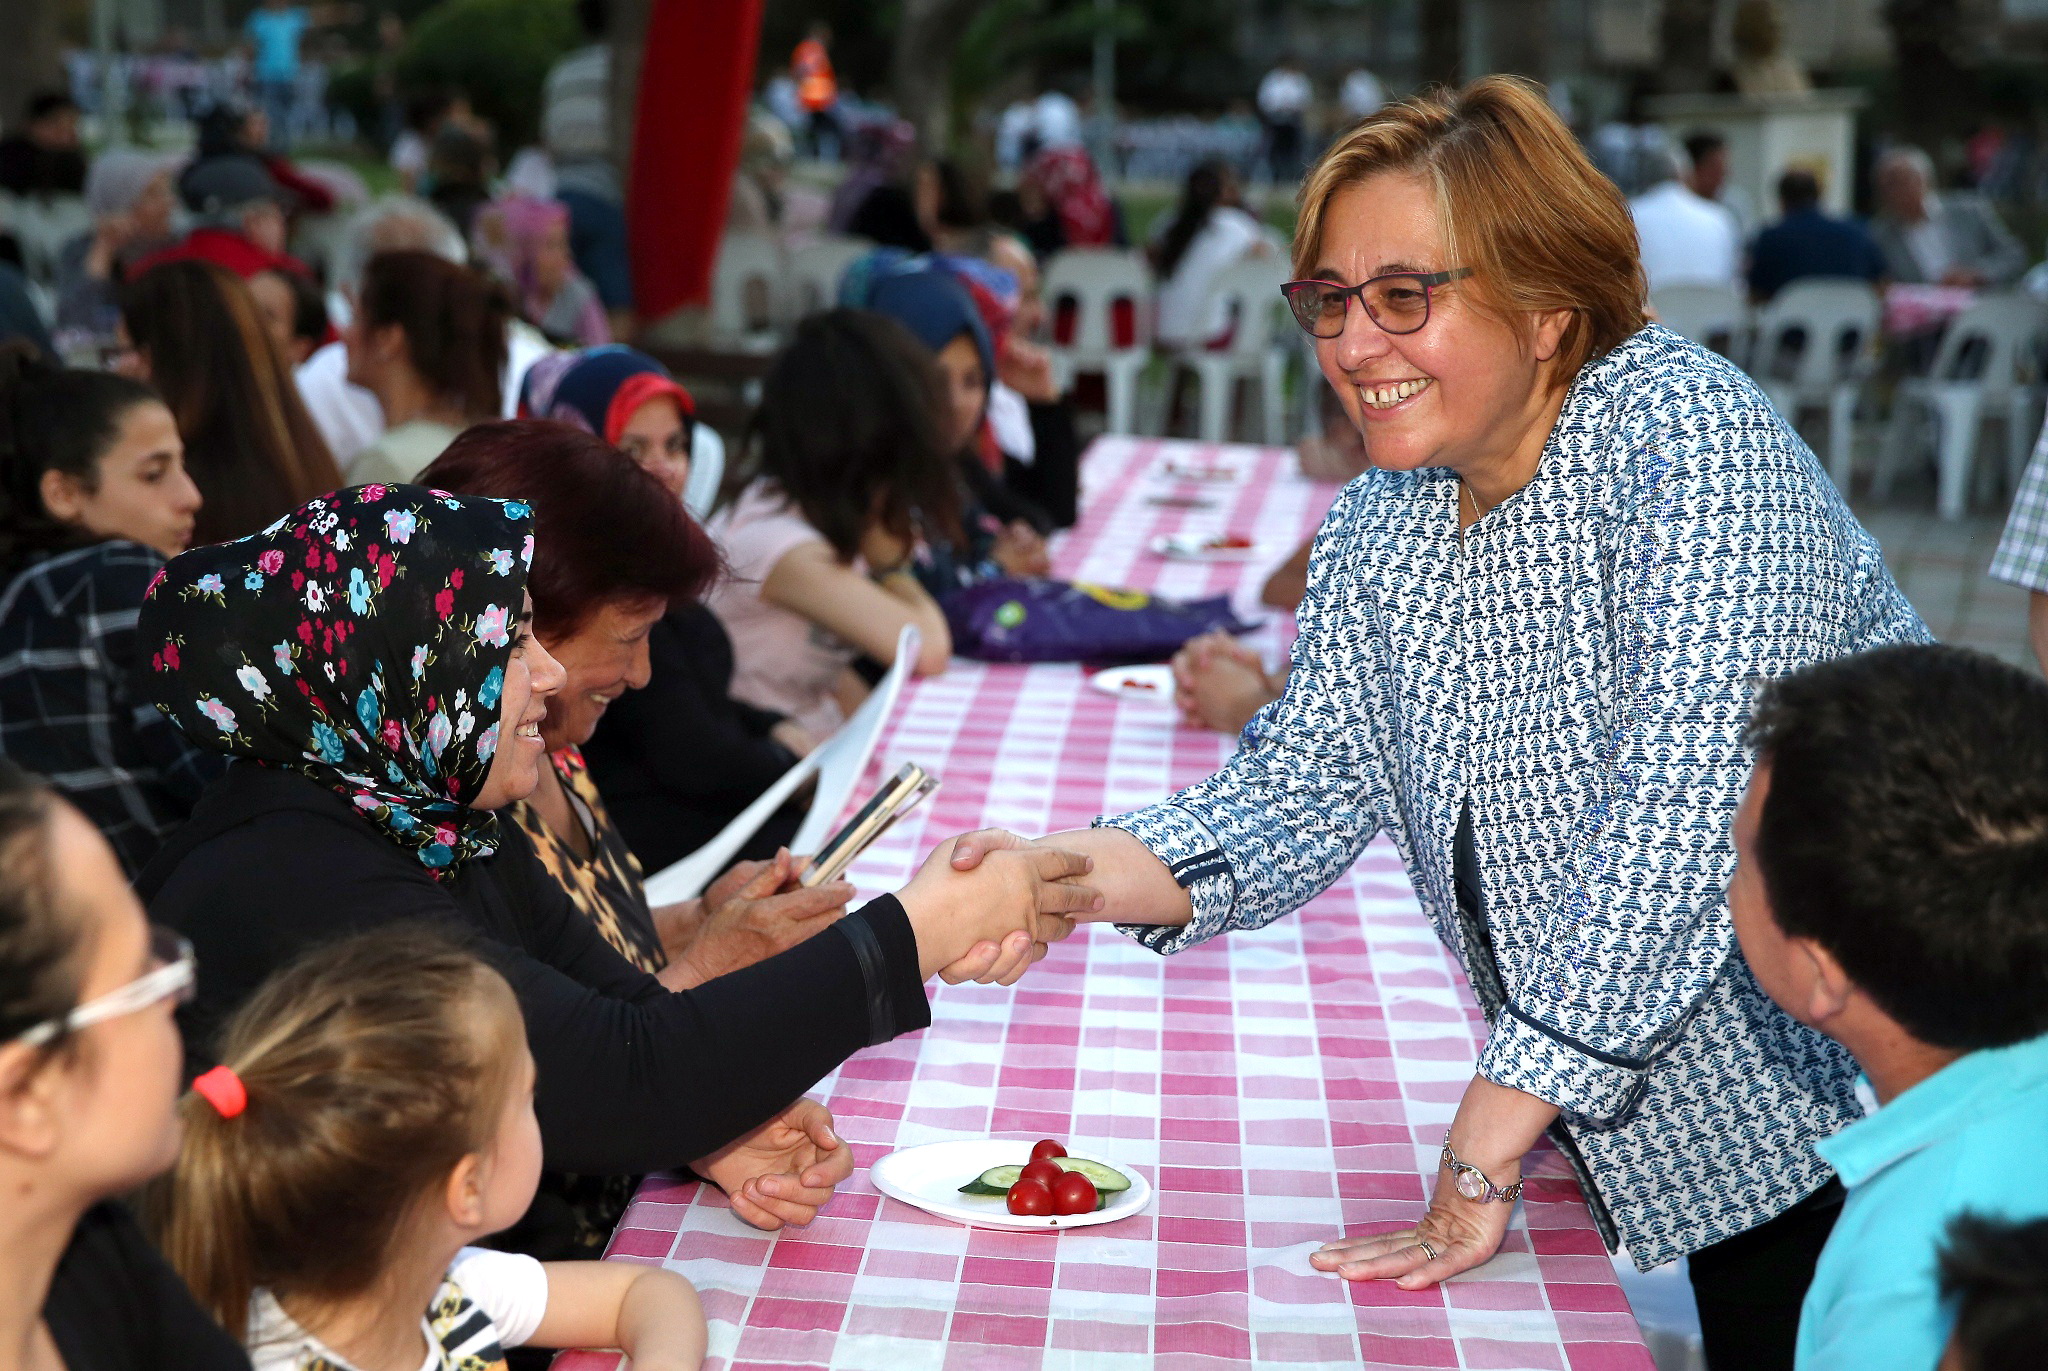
x,y
368,663
88,1078
678,759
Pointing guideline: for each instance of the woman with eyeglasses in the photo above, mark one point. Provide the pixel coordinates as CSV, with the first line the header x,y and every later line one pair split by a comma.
x,y
89,1072
1526,655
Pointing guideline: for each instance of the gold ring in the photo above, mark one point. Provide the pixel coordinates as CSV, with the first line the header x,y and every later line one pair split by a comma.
x,y
1426,1248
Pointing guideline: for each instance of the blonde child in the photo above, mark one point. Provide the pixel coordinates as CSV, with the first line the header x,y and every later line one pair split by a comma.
x,y
371,1120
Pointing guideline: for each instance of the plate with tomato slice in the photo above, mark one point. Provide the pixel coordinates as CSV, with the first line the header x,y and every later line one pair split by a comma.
x,y
1152,682
1206,547
1011,1184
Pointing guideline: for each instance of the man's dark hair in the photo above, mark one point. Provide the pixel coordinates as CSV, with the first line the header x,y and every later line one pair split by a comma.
x,y
1798,190
1702,145
1906,831
1997,1274
595,16
48,102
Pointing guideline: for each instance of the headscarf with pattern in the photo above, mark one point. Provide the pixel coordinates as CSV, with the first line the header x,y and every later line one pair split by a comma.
x,y
361,641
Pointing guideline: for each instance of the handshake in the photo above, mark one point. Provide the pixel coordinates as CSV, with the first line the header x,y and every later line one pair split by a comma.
x,y
987,904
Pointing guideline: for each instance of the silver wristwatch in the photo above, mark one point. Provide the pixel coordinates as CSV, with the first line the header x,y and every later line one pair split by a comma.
x,y
1472,1182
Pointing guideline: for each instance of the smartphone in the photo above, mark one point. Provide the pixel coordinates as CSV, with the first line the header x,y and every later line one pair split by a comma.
x,y
902,793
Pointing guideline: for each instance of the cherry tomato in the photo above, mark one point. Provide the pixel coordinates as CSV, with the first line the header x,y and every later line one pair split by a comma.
x,y
1045,1171
1032,1197
1075,1194
1046,1147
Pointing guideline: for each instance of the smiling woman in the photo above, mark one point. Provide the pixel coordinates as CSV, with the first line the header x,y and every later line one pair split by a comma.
x,y
366,659
1526,653
93,497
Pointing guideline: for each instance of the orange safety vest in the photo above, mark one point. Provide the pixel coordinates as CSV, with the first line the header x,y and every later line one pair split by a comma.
x,y
816,86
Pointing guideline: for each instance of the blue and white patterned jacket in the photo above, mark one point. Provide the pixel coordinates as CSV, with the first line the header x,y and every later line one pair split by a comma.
x,y
1579,669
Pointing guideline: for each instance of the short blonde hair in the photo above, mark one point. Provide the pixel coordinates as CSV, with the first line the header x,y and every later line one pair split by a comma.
x,y
1519,203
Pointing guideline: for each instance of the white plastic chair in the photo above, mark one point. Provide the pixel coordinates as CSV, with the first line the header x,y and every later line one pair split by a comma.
x,y
837,763
747,291
707,470
1837,319
1713,316
1259,350
1094,279
43,225
1988,364
815,269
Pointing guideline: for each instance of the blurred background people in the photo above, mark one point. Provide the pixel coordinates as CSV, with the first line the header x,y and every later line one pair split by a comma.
x,y
1808,241
195,334
1952,239
428,340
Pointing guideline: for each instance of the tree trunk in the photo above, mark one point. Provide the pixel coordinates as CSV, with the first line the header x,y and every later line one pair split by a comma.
x,y
1443,42
31,60
1686,39
921,73
1932,86
626,31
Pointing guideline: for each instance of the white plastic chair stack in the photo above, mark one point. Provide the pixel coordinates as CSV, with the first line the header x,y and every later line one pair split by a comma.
x,y
707,471
1261,344
747,291
43,225
1094,279
837,763
1713,316
1836,323
814,272
1988,364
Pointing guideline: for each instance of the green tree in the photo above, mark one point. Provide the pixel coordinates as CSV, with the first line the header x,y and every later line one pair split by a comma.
x,y
497,52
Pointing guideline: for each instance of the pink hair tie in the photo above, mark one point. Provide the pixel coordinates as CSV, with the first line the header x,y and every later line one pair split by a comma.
x,y
222,1089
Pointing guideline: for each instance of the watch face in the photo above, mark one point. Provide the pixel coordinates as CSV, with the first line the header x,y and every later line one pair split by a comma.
x,y
1471,1185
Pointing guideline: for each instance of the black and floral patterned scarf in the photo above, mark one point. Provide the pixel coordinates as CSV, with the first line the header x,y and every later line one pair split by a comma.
x,y
360,641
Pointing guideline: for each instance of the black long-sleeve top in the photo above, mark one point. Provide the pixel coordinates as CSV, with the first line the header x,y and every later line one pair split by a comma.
x,y
632,1077
677,760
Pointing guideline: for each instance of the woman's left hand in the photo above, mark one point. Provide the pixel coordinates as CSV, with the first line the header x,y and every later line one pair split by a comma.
x,y
784,1171
1020,551
1463,1233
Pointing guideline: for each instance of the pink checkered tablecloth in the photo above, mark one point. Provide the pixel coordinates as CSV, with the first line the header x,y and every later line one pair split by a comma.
x,y
1278,1087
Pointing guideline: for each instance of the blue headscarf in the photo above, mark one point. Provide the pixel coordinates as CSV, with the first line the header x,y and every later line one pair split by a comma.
x,y
920,294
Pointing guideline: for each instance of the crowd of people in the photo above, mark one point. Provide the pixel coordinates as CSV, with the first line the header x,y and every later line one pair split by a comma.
x,y
360,660
1696,229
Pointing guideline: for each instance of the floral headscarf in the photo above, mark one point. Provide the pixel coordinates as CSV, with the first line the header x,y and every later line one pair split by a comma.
x,y
361,641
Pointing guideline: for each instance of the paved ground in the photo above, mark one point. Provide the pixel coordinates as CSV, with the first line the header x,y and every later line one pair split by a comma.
x,y
1940,565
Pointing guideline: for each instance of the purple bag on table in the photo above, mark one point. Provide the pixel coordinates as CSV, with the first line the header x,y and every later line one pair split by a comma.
x,y
1008,620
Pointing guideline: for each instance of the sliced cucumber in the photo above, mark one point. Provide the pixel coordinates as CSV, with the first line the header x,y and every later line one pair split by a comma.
x,y
997,1180
1108,1180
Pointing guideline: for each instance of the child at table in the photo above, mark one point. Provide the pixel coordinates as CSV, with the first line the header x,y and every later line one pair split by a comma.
x,y
1891,890
372,1119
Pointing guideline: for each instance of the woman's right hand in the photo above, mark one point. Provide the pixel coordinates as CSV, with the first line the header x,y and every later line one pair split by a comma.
x,y
1017,898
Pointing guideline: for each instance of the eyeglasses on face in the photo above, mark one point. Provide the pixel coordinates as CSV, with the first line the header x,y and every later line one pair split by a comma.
x,y
1398,302
171,974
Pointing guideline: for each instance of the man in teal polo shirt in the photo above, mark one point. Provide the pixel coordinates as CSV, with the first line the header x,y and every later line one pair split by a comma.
x,y
1892,891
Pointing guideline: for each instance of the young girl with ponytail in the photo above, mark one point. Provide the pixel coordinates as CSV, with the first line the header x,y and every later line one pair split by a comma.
x,y
372,1118
93,497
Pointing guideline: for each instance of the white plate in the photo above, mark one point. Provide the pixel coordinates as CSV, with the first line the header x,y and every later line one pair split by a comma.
x,y
930,1177
1131,682
1199,547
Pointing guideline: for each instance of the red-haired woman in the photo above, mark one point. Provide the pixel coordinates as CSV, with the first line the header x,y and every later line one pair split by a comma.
x,y
613,551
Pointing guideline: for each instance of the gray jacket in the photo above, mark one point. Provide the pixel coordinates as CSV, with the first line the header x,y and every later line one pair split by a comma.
x,y
1978,241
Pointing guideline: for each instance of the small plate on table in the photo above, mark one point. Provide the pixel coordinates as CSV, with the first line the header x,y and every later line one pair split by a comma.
x,y
930,1178
1205,547
1153,683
